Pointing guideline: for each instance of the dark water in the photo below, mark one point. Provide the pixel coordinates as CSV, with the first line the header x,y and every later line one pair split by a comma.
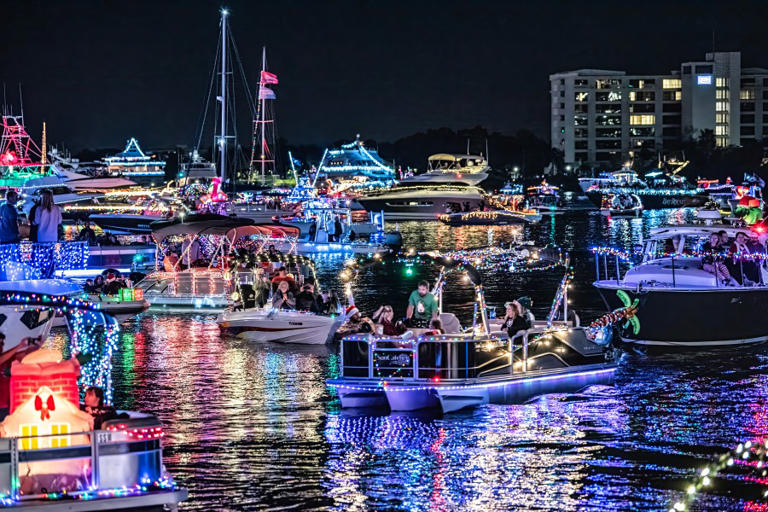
x,y
253,426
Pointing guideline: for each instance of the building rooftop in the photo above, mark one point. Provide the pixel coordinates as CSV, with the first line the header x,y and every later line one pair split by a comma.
x,y
589,72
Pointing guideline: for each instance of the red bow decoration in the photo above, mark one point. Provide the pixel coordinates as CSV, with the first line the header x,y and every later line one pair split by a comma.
x,y
45,409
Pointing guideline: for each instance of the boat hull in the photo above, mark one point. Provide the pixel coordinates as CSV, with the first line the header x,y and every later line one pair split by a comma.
x,y
655,201
405,396
682,318
421,205
280,326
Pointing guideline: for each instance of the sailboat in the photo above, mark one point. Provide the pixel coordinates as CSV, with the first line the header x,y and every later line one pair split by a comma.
x,y
264,130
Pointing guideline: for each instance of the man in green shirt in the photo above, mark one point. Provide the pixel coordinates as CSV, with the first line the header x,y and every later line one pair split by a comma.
x,y
422,306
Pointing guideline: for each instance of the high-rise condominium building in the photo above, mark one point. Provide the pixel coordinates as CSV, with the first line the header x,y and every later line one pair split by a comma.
x,y
601,117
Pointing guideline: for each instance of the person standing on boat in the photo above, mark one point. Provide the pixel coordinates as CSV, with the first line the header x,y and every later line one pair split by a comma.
x,y
31,219
47,218
422,306
9,219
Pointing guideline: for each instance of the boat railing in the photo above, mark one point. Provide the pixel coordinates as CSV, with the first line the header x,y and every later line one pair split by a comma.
x,y
41,260
436,358
90,463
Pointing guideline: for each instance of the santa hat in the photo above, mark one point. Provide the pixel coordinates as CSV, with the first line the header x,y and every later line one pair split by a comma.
x,y
351,311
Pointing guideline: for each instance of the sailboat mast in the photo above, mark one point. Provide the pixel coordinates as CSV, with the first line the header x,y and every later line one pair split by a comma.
x,y
263,134
223,98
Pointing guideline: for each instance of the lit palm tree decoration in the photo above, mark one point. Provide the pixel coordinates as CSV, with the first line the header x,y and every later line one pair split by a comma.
x,y
601,329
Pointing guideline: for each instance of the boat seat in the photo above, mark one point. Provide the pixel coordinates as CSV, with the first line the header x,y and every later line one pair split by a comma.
x,y
451,324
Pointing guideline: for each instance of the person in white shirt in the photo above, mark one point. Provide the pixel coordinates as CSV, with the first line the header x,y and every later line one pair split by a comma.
x,y
47,218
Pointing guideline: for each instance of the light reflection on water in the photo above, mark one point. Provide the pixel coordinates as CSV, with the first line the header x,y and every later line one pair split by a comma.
x,y
253,426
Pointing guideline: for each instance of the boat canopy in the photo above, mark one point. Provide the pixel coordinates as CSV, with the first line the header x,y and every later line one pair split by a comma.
x,y
197,225
269,230
451,157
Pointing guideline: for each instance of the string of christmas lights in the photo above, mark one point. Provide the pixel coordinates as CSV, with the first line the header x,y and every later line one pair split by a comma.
x,y
628,257
747,454
88,326
40,260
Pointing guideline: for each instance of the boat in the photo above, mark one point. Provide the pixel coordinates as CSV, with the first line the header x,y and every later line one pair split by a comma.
x,y
53,455
279,326
206,283
621,205
490,218
135,164
354,160
424,202
544,198
679,304
463,368
657,189
451,169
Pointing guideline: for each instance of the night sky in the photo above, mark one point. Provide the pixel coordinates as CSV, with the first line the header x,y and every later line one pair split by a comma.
x,y
100,72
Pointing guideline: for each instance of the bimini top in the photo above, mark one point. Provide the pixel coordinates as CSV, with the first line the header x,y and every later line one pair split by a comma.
x,y
465,159
666,232
269,230
198,225
355,160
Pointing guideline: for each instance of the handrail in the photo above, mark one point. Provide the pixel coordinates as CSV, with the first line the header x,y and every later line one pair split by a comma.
x,y
412,345
98,444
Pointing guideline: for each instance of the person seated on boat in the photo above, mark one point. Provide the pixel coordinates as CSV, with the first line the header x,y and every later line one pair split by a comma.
x,y
725,241
98,284
95,406
273,253
283,297
332,304
712,260
306,300
385,317
171,262
87,234
113,284
526,303
672,245
88,286
422,306
355,323
435,327
9,219
744,270
282,275
515,320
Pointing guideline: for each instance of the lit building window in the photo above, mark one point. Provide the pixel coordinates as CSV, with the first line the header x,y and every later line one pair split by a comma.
x,y
747,94
642,119
28,442
721,82
60,428
722,94
722,106
721,130
672,83
678,95
722,117
582,96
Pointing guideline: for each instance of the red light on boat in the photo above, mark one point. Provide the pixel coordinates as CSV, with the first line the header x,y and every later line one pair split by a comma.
x,y
436,379
760,229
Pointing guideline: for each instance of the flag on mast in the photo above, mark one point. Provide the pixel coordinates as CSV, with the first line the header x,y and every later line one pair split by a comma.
x,y
265,93
268,78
